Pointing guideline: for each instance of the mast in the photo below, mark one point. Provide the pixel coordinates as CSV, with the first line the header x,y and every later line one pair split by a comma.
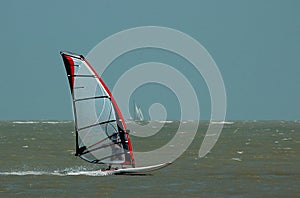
x,y
69,66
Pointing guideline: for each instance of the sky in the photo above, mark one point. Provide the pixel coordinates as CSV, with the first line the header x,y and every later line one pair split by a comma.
x,y
254,43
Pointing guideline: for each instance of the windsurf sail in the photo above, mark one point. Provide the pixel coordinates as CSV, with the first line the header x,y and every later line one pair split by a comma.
x,y
101,134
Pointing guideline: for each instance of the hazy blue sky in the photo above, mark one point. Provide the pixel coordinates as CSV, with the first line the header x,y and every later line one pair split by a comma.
x,y
255,44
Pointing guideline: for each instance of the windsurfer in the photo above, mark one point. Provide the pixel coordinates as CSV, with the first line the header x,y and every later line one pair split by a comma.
x,y
116,149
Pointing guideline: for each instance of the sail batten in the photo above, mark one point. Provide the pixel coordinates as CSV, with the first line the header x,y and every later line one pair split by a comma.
x,y
87,76
93,125
95,149
99,125
90,98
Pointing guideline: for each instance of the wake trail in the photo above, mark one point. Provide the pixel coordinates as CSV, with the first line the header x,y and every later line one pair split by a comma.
x,y
54,173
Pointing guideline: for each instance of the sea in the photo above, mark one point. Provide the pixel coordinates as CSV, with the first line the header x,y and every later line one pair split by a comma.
x,y
250,159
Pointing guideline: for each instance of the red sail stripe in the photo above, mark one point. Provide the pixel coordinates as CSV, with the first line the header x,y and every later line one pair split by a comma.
x,y
70,70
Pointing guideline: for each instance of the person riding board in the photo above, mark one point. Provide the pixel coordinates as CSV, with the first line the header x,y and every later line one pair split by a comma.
x,y
119,141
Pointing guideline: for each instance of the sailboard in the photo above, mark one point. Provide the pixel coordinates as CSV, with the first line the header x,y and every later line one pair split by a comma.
x,y
137,170
101,133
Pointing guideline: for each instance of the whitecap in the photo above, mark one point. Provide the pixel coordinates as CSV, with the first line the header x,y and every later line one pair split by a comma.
x,y
183,132
165,121
286,139
25,122
221,122
56,122
209,135
287,148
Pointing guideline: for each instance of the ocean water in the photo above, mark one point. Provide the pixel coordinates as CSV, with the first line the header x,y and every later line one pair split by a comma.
x,y
250,159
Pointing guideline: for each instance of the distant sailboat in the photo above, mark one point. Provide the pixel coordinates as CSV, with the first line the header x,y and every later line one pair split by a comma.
x,y
101,133
138,114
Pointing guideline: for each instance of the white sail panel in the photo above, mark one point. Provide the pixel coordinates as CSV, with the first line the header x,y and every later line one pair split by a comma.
x,y
100,138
